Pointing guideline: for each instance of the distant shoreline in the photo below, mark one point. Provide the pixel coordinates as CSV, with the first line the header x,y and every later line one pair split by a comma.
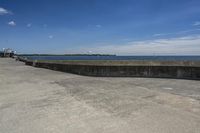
x,y
107,57
65,55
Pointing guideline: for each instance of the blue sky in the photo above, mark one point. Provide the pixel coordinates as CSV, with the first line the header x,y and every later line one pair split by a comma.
x,y
123,27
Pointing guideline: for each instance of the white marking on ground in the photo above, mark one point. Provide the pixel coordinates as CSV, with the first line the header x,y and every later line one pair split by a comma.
x,y
167,88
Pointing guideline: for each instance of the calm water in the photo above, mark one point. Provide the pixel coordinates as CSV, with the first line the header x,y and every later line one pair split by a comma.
x,y
160,58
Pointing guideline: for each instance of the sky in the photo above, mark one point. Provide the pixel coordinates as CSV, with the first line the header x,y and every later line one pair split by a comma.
x,y
122,27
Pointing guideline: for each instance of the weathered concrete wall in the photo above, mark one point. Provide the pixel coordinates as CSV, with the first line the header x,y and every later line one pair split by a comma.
x,y
183,70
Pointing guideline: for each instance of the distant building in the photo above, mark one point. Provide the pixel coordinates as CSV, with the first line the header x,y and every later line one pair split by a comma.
x,y
1,53
7,52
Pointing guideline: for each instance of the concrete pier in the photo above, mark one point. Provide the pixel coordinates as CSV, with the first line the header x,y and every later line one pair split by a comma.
x,y
37,100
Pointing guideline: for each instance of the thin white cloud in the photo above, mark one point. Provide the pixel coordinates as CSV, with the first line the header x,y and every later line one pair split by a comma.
x,y
29,25
12,23
162,34
197,23
176,33
187,45
45,25
4,11
98,26
50,36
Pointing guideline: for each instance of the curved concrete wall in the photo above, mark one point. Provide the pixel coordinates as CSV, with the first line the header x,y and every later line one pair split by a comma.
x,y
182,70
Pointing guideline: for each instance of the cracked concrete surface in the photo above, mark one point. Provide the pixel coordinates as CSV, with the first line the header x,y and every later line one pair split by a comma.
x,y
37,100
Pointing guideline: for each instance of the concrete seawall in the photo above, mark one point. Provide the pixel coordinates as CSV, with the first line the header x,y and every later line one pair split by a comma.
x,y
151,69
36,100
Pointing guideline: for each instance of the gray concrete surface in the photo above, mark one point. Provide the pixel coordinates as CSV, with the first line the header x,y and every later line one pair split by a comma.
x,y
35,100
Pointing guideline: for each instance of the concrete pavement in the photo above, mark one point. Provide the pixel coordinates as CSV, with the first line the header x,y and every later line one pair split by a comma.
x,y
36,100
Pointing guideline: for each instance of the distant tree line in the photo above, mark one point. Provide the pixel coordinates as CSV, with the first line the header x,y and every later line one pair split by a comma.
x,y
66,55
